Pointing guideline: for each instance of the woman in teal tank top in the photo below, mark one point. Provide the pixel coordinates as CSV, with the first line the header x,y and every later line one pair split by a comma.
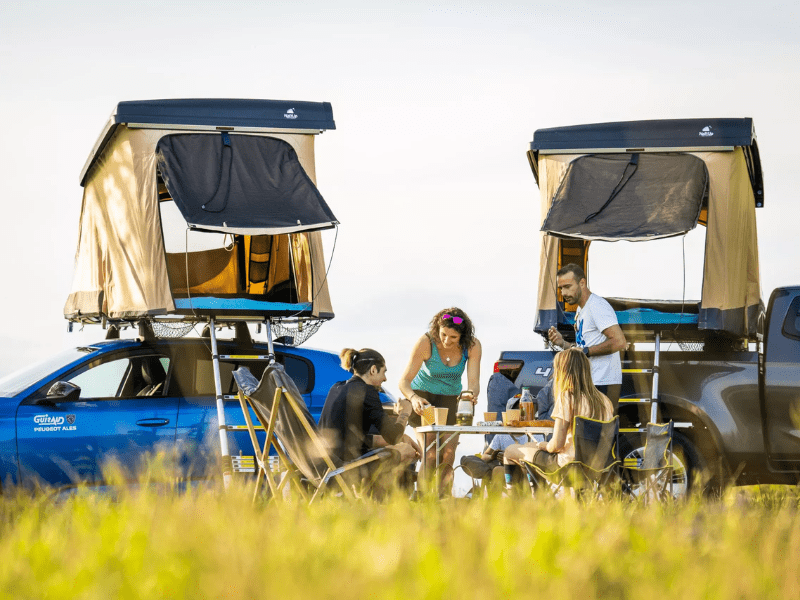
x,y
434,373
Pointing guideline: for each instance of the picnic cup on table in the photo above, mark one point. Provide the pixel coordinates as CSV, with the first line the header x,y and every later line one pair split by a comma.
x,y
441,416
488,417
510,415
428,415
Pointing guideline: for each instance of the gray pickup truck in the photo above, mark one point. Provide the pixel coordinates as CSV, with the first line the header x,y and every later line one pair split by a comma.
x,y
727,370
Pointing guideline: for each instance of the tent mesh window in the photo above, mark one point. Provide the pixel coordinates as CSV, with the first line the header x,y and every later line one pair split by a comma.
x,y
171,330
295,331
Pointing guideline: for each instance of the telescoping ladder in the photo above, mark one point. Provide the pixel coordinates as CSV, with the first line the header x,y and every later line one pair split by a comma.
x,y
236,464
653,399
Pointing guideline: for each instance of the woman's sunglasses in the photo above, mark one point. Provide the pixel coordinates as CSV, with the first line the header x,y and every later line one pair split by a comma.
x,y
456,320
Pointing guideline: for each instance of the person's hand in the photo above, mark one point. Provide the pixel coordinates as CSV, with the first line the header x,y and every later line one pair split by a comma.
x,y
542,446
403,406
411,442
418,403
555,337
468,395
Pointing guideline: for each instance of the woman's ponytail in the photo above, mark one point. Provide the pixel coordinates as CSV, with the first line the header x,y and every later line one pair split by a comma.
x,y
360,361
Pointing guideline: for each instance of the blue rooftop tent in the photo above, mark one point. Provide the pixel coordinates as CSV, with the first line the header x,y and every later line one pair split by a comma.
x,y
204,210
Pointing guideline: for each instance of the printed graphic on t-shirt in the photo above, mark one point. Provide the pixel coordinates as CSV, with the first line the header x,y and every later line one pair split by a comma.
x,y
579,335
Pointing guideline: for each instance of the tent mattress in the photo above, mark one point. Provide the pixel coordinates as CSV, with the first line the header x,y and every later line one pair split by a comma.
x,y
212,304
648,316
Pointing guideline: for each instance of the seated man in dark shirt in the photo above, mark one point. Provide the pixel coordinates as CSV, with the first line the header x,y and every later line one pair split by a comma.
x,y
354,406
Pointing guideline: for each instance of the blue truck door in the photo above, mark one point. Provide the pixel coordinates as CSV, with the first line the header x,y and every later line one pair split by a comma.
x,y
124,413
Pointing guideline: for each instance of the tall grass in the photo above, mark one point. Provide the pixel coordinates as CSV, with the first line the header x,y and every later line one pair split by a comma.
x,y
157,543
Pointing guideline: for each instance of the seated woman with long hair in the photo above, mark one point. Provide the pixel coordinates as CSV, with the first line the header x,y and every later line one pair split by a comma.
x,y
575,395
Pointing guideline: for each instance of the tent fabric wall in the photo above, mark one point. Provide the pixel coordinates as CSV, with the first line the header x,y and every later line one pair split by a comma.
x,y
731,292
120,264
731,296
551,171
120,268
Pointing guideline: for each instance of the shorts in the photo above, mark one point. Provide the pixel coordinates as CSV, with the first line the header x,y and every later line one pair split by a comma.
x,y
546,461
439,401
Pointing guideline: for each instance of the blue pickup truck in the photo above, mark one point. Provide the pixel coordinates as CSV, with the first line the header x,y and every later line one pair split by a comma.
x,y
136,397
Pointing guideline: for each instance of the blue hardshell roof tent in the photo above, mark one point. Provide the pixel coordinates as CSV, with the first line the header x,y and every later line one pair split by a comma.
x,y
203,207
646,180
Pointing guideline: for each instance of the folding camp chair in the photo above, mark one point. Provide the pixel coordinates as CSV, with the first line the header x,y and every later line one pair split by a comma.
x,y
652,475
596,461
292,432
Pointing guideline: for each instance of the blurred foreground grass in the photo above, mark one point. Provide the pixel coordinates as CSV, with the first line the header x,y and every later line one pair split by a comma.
x,y
155,543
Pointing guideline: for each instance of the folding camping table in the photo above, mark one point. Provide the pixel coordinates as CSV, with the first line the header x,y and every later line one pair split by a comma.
x,y
454,430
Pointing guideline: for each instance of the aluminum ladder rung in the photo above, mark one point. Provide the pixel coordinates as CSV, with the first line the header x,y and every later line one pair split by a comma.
x,y
680,425
243,427
244,356
635,400
643,371
248,464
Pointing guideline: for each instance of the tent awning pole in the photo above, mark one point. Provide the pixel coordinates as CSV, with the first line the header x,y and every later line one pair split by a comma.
x,y
223,430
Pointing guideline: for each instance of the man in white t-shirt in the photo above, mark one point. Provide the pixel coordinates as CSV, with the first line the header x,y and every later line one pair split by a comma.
x,y
597,331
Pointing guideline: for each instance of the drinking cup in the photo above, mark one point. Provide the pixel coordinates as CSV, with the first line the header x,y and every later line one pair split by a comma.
x,y
510,415
441,416
488,417
428,415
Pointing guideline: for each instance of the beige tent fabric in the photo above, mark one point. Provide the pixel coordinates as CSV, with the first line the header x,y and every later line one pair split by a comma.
x,y
551,171
731,294
120,265
322,297
731,280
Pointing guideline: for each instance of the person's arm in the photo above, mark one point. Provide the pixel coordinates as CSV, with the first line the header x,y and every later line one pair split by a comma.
x,y
615,341
391,428
556,443
544,402
473,372
491,451
555,337
420,353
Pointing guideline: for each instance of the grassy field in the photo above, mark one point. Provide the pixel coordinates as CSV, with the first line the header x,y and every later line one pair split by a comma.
x,y
205,544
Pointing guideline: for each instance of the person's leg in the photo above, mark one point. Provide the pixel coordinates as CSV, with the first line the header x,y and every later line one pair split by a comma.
x,y
385,475
513,457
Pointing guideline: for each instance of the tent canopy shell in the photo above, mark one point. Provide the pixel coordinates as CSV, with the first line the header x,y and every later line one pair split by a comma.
x,y
122,269
731,292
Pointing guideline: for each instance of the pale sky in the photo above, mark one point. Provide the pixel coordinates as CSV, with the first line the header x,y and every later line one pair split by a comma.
x,y
435,106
